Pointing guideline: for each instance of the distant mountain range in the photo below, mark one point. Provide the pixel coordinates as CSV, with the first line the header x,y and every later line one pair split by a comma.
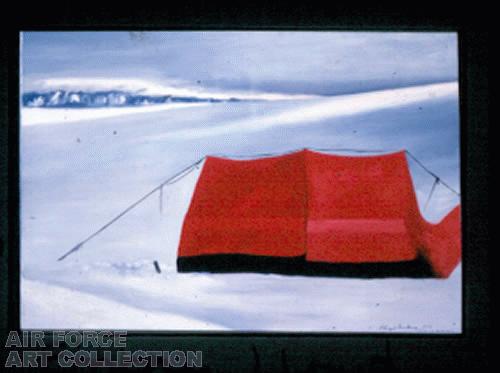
x,y
110,98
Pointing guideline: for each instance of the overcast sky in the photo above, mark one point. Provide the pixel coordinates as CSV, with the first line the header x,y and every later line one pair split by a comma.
x,y
287,62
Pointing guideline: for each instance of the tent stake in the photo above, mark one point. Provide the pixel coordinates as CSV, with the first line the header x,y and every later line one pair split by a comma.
x,y
157,266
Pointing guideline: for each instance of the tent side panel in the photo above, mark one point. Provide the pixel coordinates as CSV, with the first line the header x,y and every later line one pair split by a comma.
x,y
441,244
359,208
252,207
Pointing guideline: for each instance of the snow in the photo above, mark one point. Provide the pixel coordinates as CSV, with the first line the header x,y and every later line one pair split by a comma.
x,y
326,108
80,169
92,312
32,116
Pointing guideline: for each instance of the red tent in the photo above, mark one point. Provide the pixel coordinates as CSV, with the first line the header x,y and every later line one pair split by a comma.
x,y
314,213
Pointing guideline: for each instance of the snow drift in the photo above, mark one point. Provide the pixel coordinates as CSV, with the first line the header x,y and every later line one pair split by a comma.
x,y
75,177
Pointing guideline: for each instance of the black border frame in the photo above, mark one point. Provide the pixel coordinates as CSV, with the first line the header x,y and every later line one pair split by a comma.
x,y
258,351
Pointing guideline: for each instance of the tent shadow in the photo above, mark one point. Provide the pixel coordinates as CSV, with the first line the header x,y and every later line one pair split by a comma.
x,y
299,266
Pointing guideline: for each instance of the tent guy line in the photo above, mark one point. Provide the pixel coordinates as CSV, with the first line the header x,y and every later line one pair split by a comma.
x,y
436,177
178,176
434,184
185,171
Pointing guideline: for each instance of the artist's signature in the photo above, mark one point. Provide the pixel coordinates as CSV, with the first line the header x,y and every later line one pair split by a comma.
x,y
402,327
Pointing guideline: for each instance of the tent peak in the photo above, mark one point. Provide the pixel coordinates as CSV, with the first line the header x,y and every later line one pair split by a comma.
x,y
334,152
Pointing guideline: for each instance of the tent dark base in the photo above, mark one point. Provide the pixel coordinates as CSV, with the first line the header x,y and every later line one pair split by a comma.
x,y
234,263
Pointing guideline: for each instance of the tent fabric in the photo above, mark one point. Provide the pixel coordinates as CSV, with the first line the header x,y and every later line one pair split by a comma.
x,y
324,208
